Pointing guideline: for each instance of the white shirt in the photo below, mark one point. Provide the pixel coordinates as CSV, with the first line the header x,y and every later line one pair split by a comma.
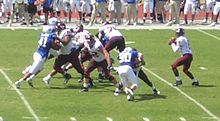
x,y
80,37
110,30
65,50
96,51
182,45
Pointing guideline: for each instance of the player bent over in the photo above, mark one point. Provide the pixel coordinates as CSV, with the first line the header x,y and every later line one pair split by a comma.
x,y
181,44
100,58
127,61
47,41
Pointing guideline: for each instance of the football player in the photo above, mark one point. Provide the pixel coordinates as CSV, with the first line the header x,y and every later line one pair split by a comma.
x,y
68,53
127,61
181,44
46,41
100,58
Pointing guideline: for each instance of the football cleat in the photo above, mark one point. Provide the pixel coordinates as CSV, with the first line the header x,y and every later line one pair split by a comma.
x,y
85,89
177,83
91,83
130,97
17,85
46,80
67,78
101,78
30,83
117,92
196,83
156,91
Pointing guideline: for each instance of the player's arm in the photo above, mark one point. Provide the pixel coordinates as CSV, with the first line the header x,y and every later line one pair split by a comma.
x,y
174,44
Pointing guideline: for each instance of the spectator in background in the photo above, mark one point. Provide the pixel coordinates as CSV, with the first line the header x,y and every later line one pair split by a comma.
x,y
6,7
208,8
161,13
131,12
32,9
215,13
58,5
114,8
174,11
20,6
148,8
98,6
190,5
47,8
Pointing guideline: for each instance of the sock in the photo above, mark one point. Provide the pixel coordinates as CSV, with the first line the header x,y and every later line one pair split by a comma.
x,y
31,77
85,85
178,78
194,80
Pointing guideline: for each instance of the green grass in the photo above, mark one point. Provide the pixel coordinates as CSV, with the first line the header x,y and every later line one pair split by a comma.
x,y
61,102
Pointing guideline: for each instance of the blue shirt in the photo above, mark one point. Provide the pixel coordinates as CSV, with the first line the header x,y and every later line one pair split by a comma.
x,y
48,3
45,43
31,1
127,57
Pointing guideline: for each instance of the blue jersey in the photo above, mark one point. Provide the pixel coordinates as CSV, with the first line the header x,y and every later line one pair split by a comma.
x,y
45,43
127,57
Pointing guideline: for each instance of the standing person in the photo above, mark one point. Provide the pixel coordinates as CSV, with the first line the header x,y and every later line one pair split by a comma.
x,y
47,8
148,8
98,6
19,6
132,12
114,8
46,41
209,6
190,5
32,9
174,12
181,44
215,13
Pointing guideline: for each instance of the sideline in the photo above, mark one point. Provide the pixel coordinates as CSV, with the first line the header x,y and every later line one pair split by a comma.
x,y
26,103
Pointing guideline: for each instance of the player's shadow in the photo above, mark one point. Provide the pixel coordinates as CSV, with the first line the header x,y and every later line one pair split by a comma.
x,y
142,97
207,85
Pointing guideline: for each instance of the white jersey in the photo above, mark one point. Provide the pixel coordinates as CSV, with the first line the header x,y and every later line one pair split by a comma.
x,y
182,45
65,50
110,30
80,37
96,51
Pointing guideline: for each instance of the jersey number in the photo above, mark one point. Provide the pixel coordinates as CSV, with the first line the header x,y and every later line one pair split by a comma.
x,y
124,57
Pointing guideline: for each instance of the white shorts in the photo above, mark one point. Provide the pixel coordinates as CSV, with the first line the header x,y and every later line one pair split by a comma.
x,y
7,6
58,5
209,6
126,74
148,7
216,8
85,6
38,63
188,7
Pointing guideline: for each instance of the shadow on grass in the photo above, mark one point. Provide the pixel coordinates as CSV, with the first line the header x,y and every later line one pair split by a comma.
x,y
142,97
207,86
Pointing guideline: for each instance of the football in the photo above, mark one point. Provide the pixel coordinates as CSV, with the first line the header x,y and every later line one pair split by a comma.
x,y
172,40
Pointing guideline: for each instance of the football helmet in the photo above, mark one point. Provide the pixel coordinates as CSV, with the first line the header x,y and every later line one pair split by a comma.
x,y
60,26
180,32
78,28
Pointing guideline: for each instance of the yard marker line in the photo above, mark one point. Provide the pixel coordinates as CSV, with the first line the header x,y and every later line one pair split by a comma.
x,y
21,96
146,119
109,118
211,35
182,119
28,117
183,93
72,118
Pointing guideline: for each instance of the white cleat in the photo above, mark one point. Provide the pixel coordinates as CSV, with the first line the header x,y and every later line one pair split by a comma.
x,y
204,21
212,24
17,85
46,81
117,92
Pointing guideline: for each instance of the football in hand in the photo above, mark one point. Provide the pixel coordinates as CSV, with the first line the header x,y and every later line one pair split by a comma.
x,y
172,40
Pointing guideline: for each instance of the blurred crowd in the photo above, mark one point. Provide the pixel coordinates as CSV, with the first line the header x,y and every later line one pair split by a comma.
x,y
88,12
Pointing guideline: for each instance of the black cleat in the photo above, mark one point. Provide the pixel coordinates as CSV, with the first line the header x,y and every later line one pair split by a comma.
x,y
91,84
67,78
101,78
30,83
177,83
156,91
85,89
195,83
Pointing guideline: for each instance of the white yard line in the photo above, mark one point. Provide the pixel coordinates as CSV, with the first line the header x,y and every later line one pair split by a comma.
x,y
72,119
182,119
206,33
109,118
184,94
146,119
27,105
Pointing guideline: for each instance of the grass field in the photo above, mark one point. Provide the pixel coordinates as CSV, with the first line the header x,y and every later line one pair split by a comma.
x,y
65,102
